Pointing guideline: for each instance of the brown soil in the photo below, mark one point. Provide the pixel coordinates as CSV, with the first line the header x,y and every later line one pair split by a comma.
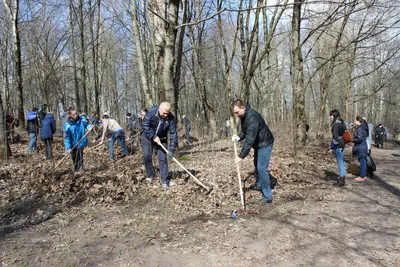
x,y
111,216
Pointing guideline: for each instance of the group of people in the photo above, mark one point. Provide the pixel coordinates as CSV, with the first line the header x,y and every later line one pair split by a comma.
x,y
154,126
41,122
361,144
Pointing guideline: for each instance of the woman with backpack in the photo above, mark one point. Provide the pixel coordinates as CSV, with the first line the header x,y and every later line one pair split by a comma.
x,y
337,144
360,149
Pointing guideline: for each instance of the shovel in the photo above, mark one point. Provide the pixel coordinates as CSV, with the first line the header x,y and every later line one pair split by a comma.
x,y
208,190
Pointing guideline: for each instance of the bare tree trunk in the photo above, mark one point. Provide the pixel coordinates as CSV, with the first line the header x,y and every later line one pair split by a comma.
x,y
4,70
5,151
148,97
169,59
228,61
179,55
95,39
83,55
12,8
298,82
75,69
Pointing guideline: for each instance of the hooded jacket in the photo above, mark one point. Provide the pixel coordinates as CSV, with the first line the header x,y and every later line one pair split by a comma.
x,y
154,125
74,131
360,149
256,132
48,127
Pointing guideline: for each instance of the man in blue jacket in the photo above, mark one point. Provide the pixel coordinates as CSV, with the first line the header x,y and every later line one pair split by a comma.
x,y
256,135
74,131
46,134
156,125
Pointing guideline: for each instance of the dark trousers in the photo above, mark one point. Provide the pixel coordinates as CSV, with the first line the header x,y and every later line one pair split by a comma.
x,y
188,138
77,159
148,147
48,148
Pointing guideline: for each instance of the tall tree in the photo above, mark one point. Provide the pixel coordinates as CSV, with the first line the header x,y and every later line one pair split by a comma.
x,y
297,76
12,9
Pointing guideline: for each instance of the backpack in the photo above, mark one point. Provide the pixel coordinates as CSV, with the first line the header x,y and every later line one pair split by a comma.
x,y
370,163
347,137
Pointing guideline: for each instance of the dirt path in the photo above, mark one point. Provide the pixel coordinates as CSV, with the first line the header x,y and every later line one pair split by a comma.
x,y
357,225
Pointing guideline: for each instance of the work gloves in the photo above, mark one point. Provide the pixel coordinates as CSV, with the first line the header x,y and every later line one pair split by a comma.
x,y
235,138
170,153
89,126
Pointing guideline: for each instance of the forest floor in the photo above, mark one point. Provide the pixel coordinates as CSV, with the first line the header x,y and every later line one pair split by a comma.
x,y
111,216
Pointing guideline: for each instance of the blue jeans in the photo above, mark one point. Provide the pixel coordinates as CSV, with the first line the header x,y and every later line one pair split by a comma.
x,y
148,146
32,142
188,138
261,161
340,161
363,167
120,136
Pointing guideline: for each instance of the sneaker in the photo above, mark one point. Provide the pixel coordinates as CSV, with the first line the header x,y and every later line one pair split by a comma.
x,y
263,201
359,179
150,179
165,186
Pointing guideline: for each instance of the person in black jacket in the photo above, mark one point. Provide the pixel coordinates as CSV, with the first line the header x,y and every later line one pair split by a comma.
x,y
379,135
158,122
360,149
256,135
337,144
186,123
46,134
32,127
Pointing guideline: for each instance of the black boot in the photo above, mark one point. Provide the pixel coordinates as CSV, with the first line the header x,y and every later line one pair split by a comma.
x,y
340,182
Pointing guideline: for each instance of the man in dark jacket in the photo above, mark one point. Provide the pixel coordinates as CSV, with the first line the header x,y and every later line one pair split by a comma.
x,y
256,135
379,135
130,124
32,127
46,134
186,123
156,125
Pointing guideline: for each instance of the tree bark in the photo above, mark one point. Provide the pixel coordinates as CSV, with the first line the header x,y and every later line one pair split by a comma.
x,y
148,97
169,59
12,9
83,55
297,76
75,69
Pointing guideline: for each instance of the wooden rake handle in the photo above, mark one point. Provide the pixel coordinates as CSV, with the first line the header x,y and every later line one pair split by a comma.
x,y
240,180
72,148
188,172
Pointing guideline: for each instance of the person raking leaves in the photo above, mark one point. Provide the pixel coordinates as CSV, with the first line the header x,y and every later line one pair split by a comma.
x,y
258,136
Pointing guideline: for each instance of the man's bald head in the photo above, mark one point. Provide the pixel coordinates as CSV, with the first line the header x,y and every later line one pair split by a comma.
x,y
164,109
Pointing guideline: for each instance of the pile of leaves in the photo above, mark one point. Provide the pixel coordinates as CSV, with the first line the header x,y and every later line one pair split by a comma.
x,y
29,178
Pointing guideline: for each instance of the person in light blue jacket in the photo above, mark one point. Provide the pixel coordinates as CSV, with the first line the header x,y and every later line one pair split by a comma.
x,y
74,137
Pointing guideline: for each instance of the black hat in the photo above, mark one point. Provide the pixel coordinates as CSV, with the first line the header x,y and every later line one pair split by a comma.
x,y
128,114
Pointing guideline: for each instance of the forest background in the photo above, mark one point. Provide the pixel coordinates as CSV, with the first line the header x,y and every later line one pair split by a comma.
x,y
293,61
